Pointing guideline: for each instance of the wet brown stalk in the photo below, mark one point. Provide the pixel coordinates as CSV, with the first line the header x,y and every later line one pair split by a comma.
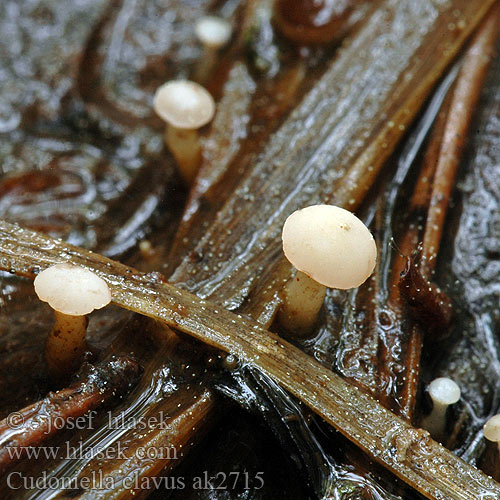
x,y
374,353
37,423
375,329
190,413
407,246
407,452
444,151
460,113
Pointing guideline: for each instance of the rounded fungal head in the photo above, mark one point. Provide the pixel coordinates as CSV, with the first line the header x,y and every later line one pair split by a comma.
x,y
444,391
213,32
331,245
491,429
72,290
184,104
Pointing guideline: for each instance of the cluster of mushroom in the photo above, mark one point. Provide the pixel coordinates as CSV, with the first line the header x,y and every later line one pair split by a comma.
x,y
330,247
186,106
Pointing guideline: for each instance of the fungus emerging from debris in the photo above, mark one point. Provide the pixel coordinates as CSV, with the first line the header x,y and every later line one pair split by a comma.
x,y
72,292
213,33
443,392
185,106
329,247
491,430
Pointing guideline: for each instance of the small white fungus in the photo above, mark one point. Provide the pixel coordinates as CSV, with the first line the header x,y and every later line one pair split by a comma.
x,y
331,245
213,32
491,429
72,290
184,104
444,391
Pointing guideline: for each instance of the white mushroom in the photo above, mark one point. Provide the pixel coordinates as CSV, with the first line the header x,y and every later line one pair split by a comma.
x,y
491,430
444,392
72,292
185,106
330,247
213,33
146,249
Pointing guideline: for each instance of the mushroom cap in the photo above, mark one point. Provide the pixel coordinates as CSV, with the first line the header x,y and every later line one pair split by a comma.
x,y
444,391
331,245
213,32
491,429
72,290
184,104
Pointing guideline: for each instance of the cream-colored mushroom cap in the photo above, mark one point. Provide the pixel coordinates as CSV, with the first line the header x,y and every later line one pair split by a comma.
x,y
184,104
331,245
72,290
212,31
491,429
444,391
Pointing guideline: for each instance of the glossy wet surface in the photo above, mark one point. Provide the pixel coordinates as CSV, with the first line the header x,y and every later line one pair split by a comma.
x,y
81,157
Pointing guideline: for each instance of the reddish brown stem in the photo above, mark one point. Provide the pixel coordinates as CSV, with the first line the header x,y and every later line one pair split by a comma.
x,y
444,151
407,244
459,116
35,424
190,414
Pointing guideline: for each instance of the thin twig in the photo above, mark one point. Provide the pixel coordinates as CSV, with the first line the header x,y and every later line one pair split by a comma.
x,y
465,96
443,155
37,423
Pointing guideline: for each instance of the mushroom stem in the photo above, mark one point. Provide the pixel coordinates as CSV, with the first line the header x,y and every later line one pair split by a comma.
x,y
65,344
213,33
184,144
302,300
435,422
443,392
205,65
